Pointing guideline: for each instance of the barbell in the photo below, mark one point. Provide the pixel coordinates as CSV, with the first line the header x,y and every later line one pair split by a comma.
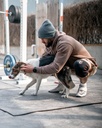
x,y
8,63
13,14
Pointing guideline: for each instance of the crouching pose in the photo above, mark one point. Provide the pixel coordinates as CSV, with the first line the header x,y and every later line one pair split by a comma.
x,y
69,54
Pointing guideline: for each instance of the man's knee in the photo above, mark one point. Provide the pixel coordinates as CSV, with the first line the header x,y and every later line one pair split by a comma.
x,y
81,68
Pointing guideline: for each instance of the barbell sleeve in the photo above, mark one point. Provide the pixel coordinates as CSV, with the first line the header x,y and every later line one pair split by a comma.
x,y
5,66
10,13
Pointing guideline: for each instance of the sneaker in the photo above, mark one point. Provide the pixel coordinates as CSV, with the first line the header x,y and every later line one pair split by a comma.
x,y
57,89
82,91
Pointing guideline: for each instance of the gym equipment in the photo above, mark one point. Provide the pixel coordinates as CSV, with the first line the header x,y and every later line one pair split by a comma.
x,y
13,14
9,62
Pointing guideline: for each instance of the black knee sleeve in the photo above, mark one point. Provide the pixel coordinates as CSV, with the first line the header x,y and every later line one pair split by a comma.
x,y
81,68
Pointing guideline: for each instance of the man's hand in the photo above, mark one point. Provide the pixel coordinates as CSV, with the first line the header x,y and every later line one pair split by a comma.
x,y
27,68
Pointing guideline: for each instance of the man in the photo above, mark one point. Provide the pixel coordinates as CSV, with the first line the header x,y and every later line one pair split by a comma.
x,y
63,50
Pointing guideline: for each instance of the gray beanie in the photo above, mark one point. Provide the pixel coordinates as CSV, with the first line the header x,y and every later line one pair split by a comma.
x,y
47,30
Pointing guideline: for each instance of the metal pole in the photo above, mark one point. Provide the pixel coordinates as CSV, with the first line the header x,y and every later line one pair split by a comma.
x,y
23,31
61,16
37,1
7,29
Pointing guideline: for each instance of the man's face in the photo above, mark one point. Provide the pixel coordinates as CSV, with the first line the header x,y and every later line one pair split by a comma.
x,y
47,42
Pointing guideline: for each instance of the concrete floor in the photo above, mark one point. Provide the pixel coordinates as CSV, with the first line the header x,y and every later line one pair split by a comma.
x,y
49,110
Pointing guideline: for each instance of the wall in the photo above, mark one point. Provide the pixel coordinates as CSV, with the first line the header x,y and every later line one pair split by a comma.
x,y
41,15
96,51
47,10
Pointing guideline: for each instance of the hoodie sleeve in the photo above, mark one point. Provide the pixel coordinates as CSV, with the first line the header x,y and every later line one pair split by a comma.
x,y
64,51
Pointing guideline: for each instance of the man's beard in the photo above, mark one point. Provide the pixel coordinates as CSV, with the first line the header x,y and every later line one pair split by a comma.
x,y
49,43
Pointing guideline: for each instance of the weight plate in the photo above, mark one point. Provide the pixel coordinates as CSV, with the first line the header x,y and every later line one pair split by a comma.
x,y
15,14
9,60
